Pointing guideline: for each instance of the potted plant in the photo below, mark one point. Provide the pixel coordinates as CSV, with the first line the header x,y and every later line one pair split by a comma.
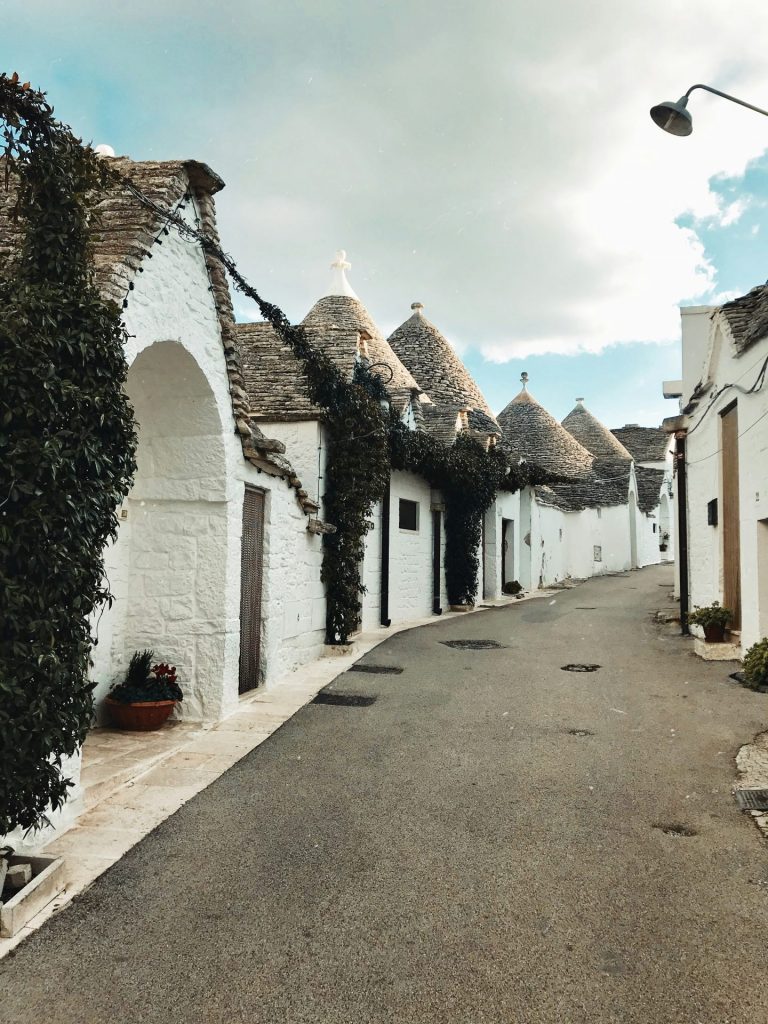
x,y
663,542
713,619
756,665
147,696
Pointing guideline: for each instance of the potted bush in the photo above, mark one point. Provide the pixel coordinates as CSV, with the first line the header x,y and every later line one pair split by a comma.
x,y
713,619
756,665
147,696
663,542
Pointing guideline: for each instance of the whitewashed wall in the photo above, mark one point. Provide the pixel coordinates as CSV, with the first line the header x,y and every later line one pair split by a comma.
x,y
175,570
410,554
704,483
563,544
410,557
505,507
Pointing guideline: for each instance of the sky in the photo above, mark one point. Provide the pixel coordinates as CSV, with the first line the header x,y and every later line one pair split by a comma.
x,y
494,161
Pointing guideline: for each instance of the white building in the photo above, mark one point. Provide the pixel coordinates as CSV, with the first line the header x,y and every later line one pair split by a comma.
x,y
722,462
603,516
216,513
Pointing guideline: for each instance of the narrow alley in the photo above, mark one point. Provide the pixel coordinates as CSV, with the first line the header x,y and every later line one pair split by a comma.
x,y
491,839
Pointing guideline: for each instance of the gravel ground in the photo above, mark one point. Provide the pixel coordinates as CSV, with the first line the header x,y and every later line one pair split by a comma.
x,y
453,852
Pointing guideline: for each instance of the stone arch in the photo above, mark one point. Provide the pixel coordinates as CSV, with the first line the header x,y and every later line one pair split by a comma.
x,y
170,562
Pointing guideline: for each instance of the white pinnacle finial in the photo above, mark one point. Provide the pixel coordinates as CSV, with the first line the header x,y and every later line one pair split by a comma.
x,y
524,380
339,283
580,402
103,150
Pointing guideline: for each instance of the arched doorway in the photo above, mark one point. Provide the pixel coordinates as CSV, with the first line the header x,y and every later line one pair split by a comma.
x,y
169,568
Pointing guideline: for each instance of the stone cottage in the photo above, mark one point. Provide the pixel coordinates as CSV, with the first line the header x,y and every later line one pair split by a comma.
x,y
721,463
217,512
459,403
594,519
399,571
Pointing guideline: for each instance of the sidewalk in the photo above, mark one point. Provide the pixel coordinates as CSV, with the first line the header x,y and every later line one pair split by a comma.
x,y
134,781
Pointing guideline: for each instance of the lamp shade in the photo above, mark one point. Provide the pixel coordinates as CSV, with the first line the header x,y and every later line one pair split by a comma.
x,y
673,117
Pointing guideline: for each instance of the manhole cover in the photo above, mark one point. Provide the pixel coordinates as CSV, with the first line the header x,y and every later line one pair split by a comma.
x,y
677,830
752,799
580,668
377,670
344,700
473,645
579,732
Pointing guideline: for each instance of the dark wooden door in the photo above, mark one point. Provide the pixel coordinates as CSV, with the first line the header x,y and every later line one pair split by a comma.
x,y
731,526
251,575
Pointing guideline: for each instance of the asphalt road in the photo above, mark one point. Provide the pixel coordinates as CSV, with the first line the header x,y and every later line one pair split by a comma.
x,y
451,853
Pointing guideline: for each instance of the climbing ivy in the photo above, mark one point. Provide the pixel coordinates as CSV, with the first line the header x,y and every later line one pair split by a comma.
x,y
67,446
469,476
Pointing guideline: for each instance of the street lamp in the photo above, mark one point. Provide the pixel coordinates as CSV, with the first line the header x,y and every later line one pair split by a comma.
x,y
675,117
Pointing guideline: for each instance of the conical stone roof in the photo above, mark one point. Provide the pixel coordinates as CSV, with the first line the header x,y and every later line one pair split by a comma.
x,y
596,438
433,362
531,433
340,313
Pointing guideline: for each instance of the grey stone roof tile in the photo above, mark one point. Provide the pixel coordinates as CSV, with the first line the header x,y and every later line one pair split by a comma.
x,y
334,318
747,317
644,444
592,435
439,371
649,483
531,433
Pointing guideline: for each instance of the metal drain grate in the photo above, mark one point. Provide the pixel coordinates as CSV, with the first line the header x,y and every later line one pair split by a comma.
x,y
580,668
752,799
579,732
344,700
586,608
473,645
377,670
685,831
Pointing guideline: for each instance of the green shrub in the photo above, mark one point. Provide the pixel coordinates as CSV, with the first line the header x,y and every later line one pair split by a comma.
x,y
756,665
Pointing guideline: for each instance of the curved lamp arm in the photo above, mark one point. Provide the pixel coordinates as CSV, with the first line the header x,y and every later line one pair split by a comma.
x,y
725,96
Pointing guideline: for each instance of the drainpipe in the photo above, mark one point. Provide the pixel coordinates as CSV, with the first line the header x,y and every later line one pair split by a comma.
x,y
682,529
436,545
384,603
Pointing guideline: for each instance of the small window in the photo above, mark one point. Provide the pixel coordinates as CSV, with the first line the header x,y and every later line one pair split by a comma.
x,y
597,553
409,515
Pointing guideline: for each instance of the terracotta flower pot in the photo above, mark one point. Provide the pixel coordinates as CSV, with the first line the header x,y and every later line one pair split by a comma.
x,y
714,634
140,717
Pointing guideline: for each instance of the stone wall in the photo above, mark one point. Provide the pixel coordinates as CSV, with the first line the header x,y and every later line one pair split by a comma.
x,y
704,484
175,569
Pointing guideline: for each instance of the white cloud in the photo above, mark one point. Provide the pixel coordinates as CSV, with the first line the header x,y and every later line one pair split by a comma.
x,y
503,169
494,161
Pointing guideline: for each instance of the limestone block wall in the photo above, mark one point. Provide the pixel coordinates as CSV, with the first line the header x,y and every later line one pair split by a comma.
x,y
577,545
305,443
175,568
704,483
505,507
293,597
410,552
371,573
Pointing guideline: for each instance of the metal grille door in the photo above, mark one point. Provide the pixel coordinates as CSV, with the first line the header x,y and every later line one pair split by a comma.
x,y
251,573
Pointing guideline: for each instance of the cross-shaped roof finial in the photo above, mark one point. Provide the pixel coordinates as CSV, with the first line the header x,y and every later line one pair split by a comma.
x,y
339,283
